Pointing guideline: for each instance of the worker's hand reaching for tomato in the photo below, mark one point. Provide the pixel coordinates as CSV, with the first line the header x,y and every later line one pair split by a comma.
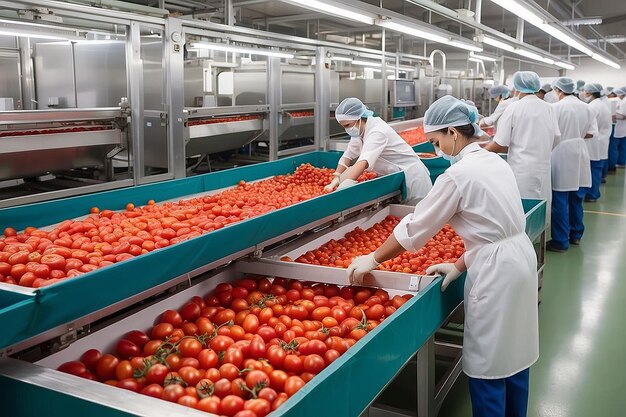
x,y
361,266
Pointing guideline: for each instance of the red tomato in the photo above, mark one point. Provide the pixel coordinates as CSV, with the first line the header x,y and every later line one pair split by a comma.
x,y
314,364
293,384
173,392
127,349
257,379
330,356
208,359
293,363
156,374
231,405
106,366
153,390
190,375
190,347
90,358
278,379
190,311
210,404
260,406
162,331
172,317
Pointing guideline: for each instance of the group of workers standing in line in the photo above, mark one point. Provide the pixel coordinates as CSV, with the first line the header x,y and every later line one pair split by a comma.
x,y
562,150
557,146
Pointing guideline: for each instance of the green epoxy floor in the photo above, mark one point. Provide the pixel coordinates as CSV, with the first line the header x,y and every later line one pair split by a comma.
x,y
582,367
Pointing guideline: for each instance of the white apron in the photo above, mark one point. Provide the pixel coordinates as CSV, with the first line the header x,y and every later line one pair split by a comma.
x,y
500,338
571,167
477,196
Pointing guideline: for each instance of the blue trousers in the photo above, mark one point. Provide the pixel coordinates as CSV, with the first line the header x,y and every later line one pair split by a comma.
x,y
605,168
567,217
596,178
617,151
506,397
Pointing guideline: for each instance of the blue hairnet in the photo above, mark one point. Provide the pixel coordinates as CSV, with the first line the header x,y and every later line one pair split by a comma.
x,y
526,82
619,91
565,84
546,87
580,84
500,90
450,112
592,88
351,109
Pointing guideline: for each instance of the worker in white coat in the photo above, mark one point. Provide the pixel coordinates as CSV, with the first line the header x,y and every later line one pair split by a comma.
x,y
376,147
478,196
619,135
545,89
526,132
570,165
598,148
550,95
501,93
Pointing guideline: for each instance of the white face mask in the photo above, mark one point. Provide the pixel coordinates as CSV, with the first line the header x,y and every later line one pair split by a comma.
x,y
354,131
585,97
453,159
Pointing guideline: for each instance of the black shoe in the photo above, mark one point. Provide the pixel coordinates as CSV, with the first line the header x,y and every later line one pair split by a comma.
x,y
574,242
590,200
553,247
603,180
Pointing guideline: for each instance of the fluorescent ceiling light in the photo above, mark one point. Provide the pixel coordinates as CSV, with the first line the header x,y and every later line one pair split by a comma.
x,y
482,57
532,55
606,61
341,58
519,10
475,59
564,65
582,21
406,68
34,30
410,30
528,15
609,39
498,44
367,63
334,10
564,37
466,46
239,49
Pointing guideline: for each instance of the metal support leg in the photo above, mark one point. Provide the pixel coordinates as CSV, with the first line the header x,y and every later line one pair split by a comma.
x,y
175,97
274,97
322,99
426,379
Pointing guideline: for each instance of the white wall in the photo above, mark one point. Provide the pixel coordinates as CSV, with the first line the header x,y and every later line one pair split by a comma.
x,y
593,71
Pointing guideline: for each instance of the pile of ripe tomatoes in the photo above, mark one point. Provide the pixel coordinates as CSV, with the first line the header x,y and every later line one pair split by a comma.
x,y
414,136
36,257
304,113
445,246
86,128
243,349
222,120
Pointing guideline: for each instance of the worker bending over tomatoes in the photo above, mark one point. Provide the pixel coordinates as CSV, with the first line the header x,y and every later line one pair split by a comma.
x,y
478,196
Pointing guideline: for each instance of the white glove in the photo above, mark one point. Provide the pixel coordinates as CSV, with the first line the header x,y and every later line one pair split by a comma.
x,y
344,175
361,266
346,184
448,270
333,184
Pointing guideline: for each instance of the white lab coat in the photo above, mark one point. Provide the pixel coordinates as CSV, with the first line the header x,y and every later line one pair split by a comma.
x,y
498,112
551,97
528,128
570,159
599,149
620,125
478,196
386,152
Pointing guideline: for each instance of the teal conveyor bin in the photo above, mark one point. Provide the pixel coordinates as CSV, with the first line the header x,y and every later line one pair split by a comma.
x,y
25,313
